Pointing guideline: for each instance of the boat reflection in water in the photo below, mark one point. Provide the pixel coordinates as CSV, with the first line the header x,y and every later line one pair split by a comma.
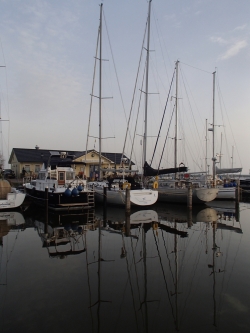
x,y
160,270
63,234
171,258
10,221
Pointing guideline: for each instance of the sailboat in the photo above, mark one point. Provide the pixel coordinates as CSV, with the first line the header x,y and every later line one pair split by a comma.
x,y
116,188
176,190
225,191
226,186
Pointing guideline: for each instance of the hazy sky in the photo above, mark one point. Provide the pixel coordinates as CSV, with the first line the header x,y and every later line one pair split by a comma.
x,y
48,48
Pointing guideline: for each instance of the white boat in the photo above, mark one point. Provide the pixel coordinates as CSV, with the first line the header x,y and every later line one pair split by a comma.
x,y
180,194
10,197
225,185
142,197
176,190
65,190
116,195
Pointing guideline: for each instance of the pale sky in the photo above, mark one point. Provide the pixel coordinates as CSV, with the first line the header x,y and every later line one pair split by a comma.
x,y
48,48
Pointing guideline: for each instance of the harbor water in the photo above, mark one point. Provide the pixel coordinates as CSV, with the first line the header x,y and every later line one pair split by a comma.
x,y
160,269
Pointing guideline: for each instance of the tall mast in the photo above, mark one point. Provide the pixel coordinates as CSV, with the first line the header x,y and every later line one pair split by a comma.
x,y
206,166
220,148
100,94
213,127
176,117
146,90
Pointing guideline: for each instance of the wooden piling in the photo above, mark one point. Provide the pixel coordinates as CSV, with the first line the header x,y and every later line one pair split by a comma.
x,y
127,201
237,193
189,197
127,224
46,210
104,196
237,202
190,217
104,206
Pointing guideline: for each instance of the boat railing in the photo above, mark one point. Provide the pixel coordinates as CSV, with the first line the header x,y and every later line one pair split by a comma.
x,y
27,179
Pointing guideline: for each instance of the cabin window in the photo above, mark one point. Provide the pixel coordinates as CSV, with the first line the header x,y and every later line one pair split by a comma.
x,y
37,168
69,175
41,175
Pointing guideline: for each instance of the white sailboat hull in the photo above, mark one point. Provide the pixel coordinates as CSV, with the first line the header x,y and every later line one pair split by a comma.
x,y
226,193
179,195
13,200
141,197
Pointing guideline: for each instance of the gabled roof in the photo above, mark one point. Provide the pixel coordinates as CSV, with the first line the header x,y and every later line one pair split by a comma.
x,y
25,155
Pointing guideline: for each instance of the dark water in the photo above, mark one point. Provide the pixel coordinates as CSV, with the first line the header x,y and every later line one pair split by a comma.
x,y
181,272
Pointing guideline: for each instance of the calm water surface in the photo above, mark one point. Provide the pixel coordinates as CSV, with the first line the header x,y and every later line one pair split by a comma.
x,y
159,270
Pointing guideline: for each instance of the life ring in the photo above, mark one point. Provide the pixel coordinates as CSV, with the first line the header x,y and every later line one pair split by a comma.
x,y
155,184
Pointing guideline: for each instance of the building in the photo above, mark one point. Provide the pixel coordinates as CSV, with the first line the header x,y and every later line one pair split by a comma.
x,y
85,164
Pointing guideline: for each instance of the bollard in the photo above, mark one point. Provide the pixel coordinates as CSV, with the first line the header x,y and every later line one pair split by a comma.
x,y
104,206
189,197
127,201
46,210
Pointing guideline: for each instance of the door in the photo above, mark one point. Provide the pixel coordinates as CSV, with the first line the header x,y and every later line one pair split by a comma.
x,y
61,178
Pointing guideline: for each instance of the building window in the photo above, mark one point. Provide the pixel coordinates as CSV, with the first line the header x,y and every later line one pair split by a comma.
x,y
37,168
27,168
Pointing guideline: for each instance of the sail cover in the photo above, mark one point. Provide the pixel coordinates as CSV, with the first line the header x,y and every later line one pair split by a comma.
x,y
148,171
227,170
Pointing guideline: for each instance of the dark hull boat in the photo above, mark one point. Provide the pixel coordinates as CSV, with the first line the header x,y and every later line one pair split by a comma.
x,y
57,185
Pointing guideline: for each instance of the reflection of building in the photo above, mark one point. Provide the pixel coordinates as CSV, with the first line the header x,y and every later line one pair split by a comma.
x,y
31,160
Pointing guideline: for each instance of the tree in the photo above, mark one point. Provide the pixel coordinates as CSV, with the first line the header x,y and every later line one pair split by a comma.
x,y
1,161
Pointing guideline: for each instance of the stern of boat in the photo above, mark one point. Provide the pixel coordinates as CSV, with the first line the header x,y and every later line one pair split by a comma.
x,y
206,194
143,197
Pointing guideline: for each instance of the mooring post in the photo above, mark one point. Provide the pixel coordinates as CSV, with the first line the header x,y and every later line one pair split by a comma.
x,y
237,193
189,217
237,202
189,197
127,224
127,201
104,206
46,210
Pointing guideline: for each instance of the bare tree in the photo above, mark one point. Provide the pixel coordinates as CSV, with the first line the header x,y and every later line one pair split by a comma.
x,y
1,161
